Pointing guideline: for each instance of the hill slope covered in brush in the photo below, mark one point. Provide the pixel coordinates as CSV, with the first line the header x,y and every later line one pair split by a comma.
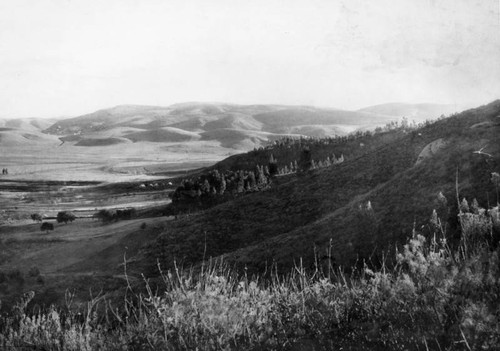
x,y
353,210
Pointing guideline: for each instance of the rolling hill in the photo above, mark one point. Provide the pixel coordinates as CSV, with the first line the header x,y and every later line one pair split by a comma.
x,y
200,131
218,129
28,124
25,131
245,126
325,210
13,137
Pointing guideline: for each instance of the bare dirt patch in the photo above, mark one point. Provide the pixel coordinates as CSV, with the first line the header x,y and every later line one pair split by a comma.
x,y
431,149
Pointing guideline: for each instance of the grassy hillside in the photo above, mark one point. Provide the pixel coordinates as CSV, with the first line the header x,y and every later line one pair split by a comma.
x,y
28,124
10,137
351,147
320,210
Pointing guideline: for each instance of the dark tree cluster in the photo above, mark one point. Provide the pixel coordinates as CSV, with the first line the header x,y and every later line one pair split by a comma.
x,y
310,142
46,226
65,216
107,216
216,183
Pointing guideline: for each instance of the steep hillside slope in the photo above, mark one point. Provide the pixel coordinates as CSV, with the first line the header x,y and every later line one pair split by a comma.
x,y
290,150
328,209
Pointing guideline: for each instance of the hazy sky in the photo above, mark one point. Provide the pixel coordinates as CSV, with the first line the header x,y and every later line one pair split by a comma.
x,y
69,57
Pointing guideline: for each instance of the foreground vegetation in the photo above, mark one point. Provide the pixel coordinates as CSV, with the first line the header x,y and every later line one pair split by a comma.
x,y
436,296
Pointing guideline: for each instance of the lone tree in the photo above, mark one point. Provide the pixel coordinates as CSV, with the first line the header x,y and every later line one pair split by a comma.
x,y
222,187
65,217
36,217
305,162
46,226
273,165
103,215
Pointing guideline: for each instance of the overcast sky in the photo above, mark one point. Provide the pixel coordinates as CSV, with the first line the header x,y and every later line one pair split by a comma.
x,y
70,57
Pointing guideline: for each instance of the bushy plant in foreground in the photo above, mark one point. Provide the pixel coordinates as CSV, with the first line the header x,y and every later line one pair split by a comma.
x,y
434,298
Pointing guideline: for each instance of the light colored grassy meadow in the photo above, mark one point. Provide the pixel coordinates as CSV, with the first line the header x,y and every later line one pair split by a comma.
x,y
122,162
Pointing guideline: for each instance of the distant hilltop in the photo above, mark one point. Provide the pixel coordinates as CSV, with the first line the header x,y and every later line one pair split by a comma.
x,y
238,127
234,126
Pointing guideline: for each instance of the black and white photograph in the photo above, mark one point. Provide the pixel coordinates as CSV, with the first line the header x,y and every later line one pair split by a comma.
x,y
303,175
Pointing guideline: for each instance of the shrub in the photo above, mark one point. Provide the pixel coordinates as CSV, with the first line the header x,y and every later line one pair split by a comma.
x,y
106,215
46,226
34,271
36,217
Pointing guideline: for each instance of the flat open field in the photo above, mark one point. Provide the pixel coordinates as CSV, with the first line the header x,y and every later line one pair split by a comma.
x,y
22,198
124,162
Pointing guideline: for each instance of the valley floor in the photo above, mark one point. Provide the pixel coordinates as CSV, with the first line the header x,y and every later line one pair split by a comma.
x,y
86,252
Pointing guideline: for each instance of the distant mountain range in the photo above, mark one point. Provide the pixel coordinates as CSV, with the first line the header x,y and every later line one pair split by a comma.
x,y
237,127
